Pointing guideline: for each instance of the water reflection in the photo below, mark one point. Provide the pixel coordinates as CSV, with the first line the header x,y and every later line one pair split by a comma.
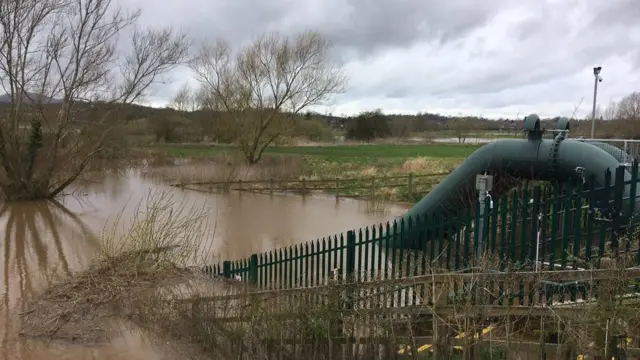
x,y
43,242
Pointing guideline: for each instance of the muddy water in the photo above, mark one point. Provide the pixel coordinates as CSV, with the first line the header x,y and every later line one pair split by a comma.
x,y
43,242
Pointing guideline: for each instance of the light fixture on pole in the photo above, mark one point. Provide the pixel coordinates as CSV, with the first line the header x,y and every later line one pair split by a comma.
x,y
597,79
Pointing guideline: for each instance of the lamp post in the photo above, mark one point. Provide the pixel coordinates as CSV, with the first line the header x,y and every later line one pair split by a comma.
x,y
597,79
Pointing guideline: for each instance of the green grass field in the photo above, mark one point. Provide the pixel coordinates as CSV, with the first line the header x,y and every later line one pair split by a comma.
x,y
352,162
341,151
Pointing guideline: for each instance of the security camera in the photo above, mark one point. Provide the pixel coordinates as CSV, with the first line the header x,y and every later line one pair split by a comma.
x,y
599,78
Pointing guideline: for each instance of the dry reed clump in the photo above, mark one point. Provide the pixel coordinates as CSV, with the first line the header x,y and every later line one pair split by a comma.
x,y
376,204
424,165
144,156
369,171
228,168
238,324
162,233
297,324
162,240
610,321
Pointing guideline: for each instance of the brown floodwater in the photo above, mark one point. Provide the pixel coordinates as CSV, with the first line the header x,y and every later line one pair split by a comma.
x,y
43,242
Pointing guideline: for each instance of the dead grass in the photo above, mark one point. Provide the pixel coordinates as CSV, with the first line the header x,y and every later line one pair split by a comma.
x,y
79,309
162,240
424,165
358,168
230,166
309,330
227,167
162,233
227,320
310,324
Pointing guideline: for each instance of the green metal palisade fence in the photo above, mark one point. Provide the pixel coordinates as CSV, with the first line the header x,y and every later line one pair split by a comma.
x,y
532,227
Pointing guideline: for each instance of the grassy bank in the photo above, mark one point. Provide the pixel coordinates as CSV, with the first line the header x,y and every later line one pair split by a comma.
x,y
336,152
225,163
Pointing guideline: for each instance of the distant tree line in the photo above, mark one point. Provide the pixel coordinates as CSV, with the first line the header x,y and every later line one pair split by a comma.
x,y
187,121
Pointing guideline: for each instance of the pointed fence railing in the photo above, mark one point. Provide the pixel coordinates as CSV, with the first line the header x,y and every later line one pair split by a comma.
x,y
548,226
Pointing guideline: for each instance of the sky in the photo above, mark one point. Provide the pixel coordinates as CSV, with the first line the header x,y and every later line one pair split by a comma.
x,y
491,58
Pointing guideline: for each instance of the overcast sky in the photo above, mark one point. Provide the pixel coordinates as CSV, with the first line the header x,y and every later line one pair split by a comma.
x,y
491,57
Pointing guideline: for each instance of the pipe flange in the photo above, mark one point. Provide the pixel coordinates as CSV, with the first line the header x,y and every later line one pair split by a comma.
x,y
553,154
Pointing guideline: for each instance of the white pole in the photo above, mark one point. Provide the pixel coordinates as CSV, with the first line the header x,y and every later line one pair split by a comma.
x,y
481,198
596,75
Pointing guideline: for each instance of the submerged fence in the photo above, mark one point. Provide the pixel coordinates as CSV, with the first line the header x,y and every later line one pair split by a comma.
x,y
405,187
530,228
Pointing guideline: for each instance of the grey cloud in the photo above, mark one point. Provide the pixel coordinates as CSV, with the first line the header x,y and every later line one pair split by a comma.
x,y
359,27
615,13
234,21
377,25
548,48
555,42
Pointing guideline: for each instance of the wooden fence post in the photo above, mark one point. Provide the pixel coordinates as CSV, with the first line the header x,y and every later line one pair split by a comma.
x,y
373,187
410,186
196,310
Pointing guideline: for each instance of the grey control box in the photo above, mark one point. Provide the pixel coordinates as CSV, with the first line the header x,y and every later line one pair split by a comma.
x,y
484,182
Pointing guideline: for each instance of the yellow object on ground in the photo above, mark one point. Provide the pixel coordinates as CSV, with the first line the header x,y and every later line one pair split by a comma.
x,y
584,357
429,347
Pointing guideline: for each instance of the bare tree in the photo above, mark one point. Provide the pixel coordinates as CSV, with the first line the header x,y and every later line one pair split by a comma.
x,y
184,99
58,64
266,84
461,127
610,112
629,107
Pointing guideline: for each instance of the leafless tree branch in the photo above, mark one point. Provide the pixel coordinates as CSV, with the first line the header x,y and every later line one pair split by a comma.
x,y
57,57
266,83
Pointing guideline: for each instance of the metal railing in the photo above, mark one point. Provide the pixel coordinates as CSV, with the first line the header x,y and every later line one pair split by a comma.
x,y
566,226
626,146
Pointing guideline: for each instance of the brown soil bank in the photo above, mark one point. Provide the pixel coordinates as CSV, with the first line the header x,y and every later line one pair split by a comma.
x,y
79,309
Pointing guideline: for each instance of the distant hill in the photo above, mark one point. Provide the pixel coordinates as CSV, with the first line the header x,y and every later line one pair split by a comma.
x,y
33,98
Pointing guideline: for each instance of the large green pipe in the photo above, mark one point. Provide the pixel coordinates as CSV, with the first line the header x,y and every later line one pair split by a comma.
x,y
520,159
614,151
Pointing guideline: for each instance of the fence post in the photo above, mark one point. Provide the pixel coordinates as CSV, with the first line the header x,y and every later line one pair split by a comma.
x,y
350,266
337,188
351,255
253,269
373,187
350,277
618,193
226,269
410,186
